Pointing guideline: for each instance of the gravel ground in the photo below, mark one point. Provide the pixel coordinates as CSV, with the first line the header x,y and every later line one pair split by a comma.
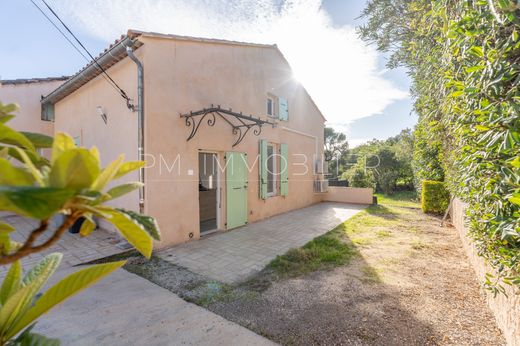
x,y
410,285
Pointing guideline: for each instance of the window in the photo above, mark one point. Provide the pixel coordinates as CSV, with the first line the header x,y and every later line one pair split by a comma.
x,y
47,112
271,170
270,107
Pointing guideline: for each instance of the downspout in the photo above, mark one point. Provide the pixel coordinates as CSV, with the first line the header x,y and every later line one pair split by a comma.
x,y
140,122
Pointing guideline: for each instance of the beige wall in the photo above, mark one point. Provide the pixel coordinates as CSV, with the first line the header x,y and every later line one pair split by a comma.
x,y
27,96
183,76
505,308
78,116
355,195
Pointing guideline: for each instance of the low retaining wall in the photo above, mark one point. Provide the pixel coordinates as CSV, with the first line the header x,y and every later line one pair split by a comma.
x,y
505,309
355,195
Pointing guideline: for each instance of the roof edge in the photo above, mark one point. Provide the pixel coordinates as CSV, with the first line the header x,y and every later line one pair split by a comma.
x,y
136,33
112,55
32,80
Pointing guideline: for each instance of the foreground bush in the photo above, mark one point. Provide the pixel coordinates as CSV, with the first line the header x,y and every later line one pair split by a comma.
x,y
72,183
434,197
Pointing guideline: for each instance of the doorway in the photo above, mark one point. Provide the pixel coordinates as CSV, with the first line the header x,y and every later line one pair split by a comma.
x,y
209,196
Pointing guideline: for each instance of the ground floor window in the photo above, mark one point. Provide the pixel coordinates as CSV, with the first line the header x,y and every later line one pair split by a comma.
x,y
271,170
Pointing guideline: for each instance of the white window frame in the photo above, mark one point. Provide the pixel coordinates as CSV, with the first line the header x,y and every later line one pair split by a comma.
x,y
274,175
274,106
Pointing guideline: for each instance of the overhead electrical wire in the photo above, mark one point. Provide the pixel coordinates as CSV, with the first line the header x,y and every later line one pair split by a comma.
x,y
103,71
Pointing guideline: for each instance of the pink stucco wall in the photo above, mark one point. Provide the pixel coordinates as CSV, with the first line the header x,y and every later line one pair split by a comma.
x,y
78,116
355,195
183,76
27,96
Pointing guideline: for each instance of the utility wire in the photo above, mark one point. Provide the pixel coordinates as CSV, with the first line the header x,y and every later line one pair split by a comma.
x,y
61,32
104,72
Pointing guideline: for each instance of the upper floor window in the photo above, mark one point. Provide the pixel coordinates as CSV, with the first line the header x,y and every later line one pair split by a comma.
x,y
277,107
271,102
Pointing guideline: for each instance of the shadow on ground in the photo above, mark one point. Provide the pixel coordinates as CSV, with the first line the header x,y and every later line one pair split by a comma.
x,y
407,283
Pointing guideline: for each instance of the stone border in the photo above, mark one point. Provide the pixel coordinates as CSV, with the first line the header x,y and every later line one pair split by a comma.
x,y
506,309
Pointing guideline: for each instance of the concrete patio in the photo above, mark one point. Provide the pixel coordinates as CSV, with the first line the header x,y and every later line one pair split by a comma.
x,y
235,255
125,309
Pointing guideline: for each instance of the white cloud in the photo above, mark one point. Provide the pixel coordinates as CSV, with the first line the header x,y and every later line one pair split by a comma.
x,y
335,66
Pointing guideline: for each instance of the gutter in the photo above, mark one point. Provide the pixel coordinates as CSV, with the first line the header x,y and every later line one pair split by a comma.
x,y
110,57
140,123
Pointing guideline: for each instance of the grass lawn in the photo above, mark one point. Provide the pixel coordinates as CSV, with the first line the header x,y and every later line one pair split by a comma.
x,y
338,246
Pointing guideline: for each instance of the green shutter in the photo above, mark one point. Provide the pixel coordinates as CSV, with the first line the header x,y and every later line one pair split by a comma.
x,y
283,109
236,189
284,170
262,169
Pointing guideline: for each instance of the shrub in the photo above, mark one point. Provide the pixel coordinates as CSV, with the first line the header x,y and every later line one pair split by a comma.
x,y
435,198
359,177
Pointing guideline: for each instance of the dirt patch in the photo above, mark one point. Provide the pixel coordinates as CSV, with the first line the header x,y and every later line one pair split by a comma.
x,y
408,284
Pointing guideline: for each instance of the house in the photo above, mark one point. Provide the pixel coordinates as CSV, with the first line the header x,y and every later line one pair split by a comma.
x,y
229,136
27,94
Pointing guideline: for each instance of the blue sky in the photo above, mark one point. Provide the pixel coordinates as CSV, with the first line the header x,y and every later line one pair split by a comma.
x,y
356,93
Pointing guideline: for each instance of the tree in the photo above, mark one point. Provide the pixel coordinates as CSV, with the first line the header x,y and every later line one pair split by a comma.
x,y
335,145
462,57
71,183
386,163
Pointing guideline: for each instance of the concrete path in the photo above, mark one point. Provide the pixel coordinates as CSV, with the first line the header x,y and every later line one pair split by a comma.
x,y
125,309
75,249
235,255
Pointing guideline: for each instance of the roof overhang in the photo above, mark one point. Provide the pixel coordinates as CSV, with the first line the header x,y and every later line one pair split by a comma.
x,y
108,58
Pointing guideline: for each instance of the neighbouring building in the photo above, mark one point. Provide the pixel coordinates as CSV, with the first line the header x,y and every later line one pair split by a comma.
x,y
229,136
27,94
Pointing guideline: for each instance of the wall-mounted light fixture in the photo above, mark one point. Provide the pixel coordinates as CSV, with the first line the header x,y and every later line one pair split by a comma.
x,y
103,114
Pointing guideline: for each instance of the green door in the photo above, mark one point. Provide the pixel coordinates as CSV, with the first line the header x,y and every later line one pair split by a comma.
x,y
236,189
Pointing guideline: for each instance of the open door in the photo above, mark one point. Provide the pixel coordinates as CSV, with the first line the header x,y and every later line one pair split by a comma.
x,y
236,189
208,192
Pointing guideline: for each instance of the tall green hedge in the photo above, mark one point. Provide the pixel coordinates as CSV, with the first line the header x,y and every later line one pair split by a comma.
x,y
464,61
435,198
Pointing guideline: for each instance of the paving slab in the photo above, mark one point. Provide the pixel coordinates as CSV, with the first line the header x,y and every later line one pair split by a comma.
x,y
75,249
235,255
125,309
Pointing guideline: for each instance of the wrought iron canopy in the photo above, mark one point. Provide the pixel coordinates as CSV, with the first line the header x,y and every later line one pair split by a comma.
x,y
240,123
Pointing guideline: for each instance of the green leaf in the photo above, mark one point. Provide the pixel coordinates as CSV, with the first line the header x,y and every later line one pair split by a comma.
x,y
75,169
26,338
39,140
62,142
107,174
17,304
122,189
87,227
5,238
128,167
514,200
12,137
46,266
5,118
516,162
36,202
133,231
64,289
147,222
11,282
30,166
12,175
481,127
5,227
